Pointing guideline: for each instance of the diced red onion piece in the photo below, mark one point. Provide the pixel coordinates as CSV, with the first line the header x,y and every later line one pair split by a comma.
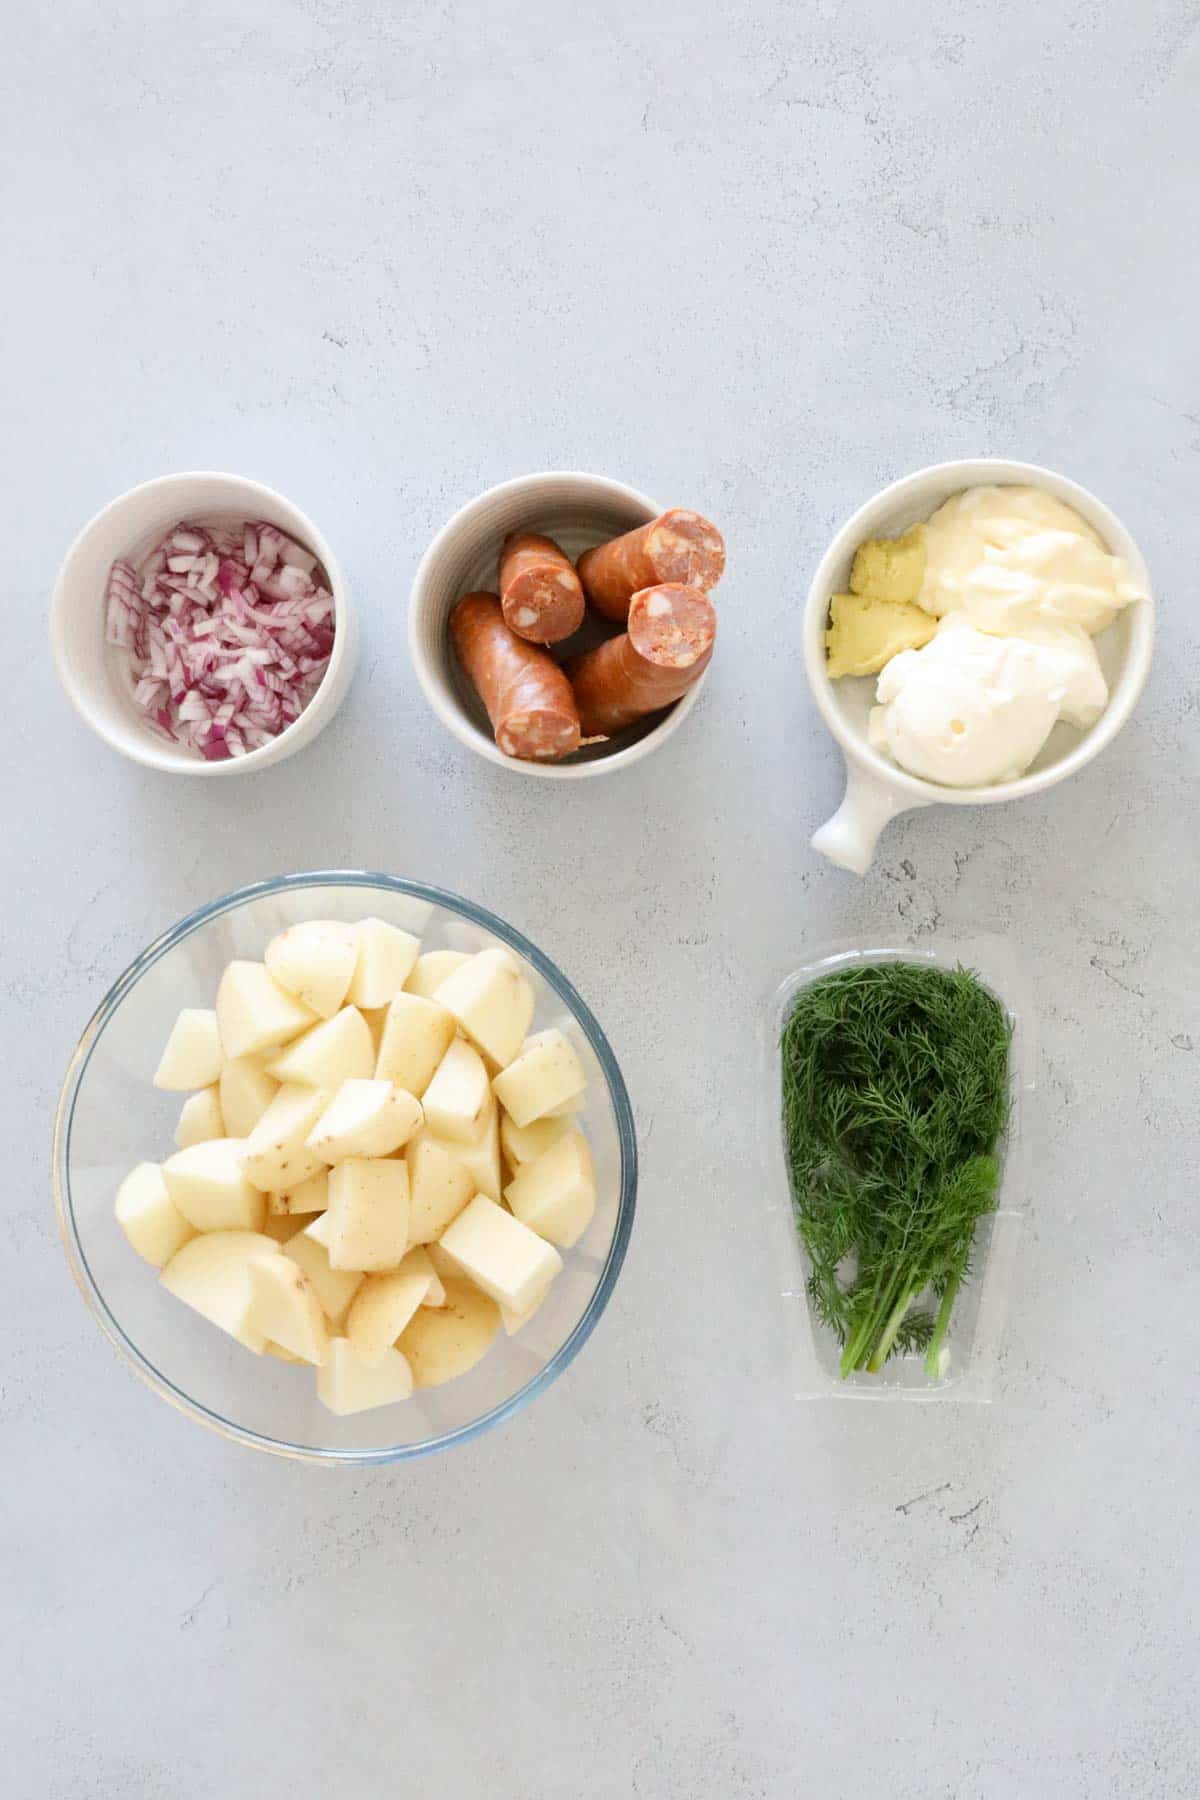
x,y
227,634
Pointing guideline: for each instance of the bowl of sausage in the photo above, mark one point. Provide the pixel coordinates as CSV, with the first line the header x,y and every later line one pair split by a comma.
x,y
562,624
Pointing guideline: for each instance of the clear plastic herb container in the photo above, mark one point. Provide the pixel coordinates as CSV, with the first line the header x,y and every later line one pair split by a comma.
x,y
973,1344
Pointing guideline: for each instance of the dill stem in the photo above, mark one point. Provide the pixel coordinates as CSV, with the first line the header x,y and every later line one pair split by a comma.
x,y
940,1326
896,1319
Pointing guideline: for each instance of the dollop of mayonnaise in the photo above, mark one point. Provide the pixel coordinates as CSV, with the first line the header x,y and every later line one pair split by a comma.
x,y
970,710
1014,557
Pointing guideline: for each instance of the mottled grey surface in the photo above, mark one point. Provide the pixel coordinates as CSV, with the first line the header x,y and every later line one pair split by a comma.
x,y
759,258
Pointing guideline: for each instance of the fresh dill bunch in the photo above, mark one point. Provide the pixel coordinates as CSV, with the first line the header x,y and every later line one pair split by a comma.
x,y
895,1094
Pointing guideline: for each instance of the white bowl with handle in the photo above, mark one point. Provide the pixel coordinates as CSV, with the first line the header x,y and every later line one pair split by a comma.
x,y
877,789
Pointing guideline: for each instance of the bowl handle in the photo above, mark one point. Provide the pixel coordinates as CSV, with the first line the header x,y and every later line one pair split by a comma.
x,y
849,838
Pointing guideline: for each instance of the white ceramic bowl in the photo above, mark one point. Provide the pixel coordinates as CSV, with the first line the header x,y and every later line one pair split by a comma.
x,y
577,511
876,789
91,671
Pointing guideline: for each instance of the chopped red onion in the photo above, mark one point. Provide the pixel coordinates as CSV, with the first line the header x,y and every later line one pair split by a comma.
x,y
228,631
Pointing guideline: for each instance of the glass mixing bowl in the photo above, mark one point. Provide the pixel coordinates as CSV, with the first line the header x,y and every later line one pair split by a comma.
x,y
111,1117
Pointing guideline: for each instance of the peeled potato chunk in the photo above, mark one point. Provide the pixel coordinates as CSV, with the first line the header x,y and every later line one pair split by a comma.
x,y
349,1382
439,1186
193,1056
365,1118
385,1303
443,1342
430,970
500,1254
200,1118
525,1143
339,1049
492,1002
149,1217
316,962
246,1092
556,1195
210,1275
385,960
458,1100
481,1159
254,1013
334,1288
419,1258
275,1155
367,1216
547,1073
416,1035
285,1308
311,1196
209,1187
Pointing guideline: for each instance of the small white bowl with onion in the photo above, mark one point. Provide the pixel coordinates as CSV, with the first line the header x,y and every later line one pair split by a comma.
x,y
877,788
271,664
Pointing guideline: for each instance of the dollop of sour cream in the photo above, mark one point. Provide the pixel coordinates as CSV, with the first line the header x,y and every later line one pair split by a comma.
x,y
1011,557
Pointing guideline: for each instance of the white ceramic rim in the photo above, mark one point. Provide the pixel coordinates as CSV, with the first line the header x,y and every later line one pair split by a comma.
x,y
145,751
451,715
970,472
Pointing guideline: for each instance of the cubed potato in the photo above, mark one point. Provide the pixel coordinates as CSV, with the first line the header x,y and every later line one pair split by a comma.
x,y
349,1382
442,1342
385,960
556,1195
443,1266
545,1074
567,1109
525,1143
149,1217
246,1092
311,1196
210,1275
481,1159
316,962
282,1355
285,1308
339,1049
439,1186
367,1214
429,971
275,1155
419,1258
200,1118
334,1288
193,1056
254,1013
365,1118
416,1035
210,1188
500,1254
492,1002
514,1321
457,1099
384,1304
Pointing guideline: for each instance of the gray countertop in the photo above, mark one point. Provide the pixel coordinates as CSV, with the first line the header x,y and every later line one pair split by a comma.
x,y
760,259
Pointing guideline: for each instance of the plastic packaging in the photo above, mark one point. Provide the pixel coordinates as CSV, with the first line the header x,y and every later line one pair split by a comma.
x,y
976,1329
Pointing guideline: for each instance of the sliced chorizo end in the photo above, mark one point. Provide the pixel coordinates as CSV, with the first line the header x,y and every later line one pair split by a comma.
x,y
540,592
678,546
528,698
